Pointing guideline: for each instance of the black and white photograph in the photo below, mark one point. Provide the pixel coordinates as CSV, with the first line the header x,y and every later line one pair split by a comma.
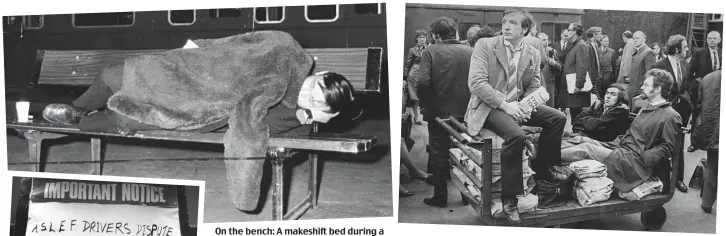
x,y
70,206
560,118
281,110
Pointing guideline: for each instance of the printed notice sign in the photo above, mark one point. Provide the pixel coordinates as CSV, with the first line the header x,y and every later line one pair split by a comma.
x,y
75,207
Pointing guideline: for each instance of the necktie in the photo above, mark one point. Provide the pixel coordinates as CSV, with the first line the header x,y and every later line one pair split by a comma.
x,y
678,73
597,58
714,60
512,80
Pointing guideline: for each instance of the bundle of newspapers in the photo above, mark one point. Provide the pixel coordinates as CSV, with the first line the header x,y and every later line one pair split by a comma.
x,y
592,184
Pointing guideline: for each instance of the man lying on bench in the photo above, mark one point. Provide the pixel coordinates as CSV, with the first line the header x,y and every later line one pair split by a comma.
x,y
634,157
257,84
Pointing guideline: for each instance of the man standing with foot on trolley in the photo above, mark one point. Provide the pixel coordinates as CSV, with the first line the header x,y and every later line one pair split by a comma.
x,y
443,93
503,71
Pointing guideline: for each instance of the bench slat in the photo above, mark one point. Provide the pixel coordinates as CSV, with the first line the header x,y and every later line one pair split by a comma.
x,y
328,142
80,67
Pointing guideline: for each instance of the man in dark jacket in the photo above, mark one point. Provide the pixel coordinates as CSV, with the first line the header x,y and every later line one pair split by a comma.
x,y
632,158
675,64
703,62
705,135
605,122
443,91
577,63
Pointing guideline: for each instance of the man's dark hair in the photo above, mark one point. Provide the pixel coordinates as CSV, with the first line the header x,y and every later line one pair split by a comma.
x,y
527,21
337,90
484,32
419,32
623,97
674,43
628,34
591,31
444,27
577,27
661,79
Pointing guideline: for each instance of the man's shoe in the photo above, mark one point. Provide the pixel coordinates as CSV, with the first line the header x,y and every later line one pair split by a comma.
x,y
707,209
434,202
681,186
511,211
64,114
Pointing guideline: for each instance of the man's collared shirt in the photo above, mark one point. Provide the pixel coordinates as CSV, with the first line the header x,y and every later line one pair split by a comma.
x,y
517,52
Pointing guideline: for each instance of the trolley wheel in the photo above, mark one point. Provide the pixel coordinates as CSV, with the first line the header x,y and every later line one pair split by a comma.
x,y
654,220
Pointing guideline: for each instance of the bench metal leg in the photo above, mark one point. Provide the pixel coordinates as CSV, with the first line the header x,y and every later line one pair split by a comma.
x,y
277,191
35,141
34,152
278,156
313,183
97,155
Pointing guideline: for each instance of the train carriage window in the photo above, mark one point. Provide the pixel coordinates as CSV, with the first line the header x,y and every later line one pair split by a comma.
x,y
269,15
553,29
33,22
716,18
497,27
225,13
322,13
369,8
113,19
182,17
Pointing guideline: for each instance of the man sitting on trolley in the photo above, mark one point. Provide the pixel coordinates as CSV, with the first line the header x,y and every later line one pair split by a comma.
x,y
504,70
634,157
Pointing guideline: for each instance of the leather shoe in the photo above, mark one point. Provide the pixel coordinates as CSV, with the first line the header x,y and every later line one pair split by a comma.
x,y
691,149
707,209
402,192
434,202
510,210
64,114
681,186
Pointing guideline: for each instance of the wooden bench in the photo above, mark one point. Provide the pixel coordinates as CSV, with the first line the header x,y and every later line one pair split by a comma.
x,y
362,66
477,189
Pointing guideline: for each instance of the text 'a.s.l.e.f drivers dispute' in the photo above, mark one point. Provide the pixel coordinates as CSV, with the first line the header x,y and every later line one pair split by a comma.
x,y
299,231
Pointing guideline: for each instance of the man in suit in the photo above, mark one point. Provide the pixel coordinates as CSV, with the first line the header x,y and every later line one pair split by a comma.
x,y
703,62
643,60
443,91
560,48
677,48
563,43
551,70
626,58
575,62
504,70
593,35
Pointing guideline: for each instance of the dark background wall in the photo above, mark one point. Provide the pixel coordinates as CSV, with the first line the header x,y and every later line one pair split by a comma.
x,y
657,26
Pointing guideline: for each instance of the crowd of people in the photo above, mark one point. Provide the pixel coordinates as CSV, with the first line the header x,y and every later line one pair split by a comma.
x,y
626,106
